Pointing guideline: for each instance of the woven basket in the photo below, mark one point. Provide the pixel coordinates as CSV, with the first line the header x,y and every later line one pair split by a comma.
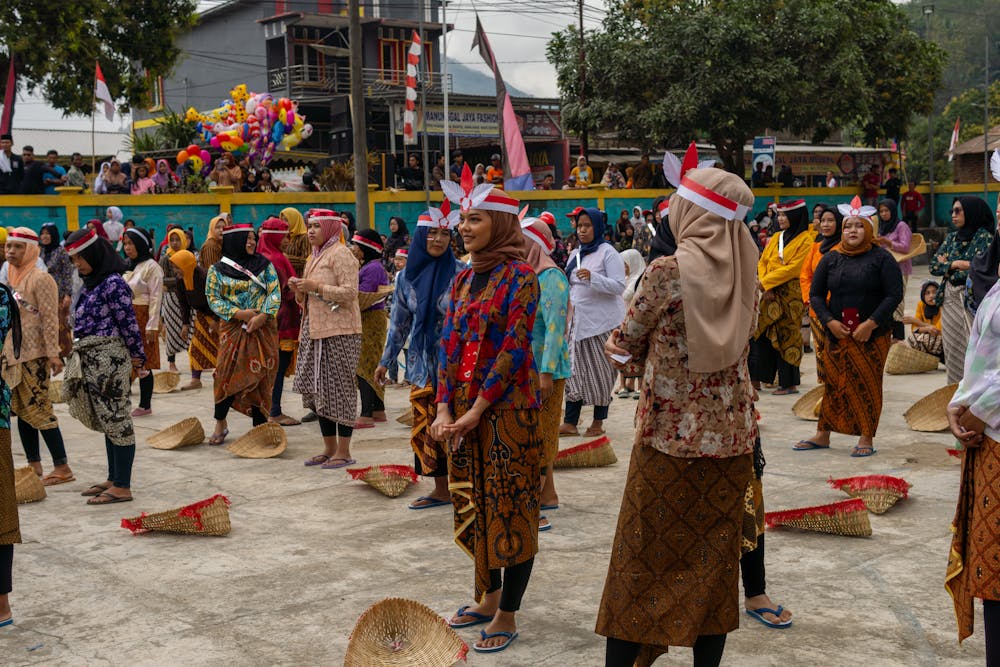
x,y
390,480
847,517
55,391
879,492
591,454
182,434
165,382
28,487
402,632
368,299
406,418
808,405
904,360
930,413
206,517
918,246
261,442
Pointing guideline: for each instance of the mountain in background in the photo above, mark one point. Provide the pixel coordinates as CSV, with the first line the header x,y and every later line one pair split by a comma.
x,y
466,80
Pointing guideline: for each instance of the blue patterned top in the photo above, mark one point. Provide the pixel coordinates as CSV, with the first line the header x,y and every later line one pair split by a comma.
x,y
548,338
5,321
106,310
420,371
227,295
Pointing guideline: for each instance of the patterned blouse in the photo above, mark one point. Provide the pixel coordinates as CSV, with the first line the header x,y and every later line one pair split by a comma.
x,y
681,413
227,295
5,321
979,390
491,332
548,337
60,267
420,370
954,248
146,282
106,310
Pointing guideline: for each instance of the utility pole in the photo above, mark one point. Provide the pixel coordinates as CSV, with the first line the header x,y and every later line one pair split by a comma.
x,y
584,147
928,10
423,106
358,118
986,114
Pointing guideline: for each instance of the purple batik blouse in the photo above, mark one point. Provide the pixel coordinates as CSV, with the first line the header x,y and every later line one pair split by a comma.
x,y
106,310
370,277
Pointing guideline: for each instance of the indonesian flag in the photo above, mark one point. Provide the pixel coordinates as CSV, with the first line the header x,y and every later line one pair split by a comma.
x,y
102,94
954,140
412,59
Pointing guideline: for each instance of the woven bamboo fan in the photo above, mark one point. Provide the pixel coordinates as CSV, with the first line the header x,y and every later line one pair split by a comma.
x,y
591,454
880,492
261,442
904,360
808,405
918,246
28,487
182,434
205,517
406,418
390,480
930,413
368,299
55,391
398,632
165,382
847,517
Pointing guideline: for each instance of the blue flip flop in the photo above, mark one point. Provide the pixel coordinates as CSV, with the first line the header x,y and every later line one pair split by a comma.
x,y
759,615
9,621
548,526
856,452
812,446
477,619
549,508
511,636
434,503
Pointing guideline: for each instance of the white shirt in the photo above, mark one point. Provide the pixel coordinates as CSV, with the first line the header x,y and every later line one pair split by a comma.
x,y
979,390
598,306
114,231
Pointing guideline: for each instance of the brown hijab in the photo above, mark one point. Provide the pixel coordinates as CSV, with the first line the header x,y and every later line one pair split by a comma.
x,y
717,260
507,243
866,243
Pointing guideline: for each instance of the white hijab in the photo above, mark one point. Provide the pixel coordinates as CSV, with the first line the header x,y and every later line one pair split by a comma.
x,y
636,266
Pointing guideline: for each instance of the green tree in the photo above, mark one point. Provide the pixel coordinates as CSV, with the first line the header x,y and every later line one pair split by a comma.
x,y
665,71
56,45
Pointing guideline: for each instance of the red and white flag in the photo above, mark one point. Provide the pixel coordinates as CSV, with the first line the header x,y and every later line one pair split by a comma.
x,y
954,140
412,60
102,94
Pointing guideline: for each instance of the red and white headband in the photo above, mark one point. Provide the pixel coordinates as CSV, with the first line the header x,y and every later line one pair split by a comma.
x,y
675,172
530,232
84,241
26,236
663,210
403,252
357,239
232,229
786,206
439,218
466,195
325,214
674,169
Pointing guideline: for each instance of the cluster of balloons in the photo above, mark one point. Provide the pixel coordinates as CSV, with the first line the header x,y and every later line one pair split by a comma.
x,y
197,158
255,124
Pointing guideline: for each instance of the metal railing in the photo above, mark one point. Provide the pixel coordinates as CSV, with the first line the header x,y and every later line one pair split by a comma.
x,y
310,80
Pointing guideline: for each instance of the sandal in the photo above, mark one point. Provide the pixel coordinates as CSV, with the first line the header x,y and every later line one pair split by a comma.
x,y
284,420
54,478
317,460
593,432
95,490
330,465
113,499
785,391
219,439
858,452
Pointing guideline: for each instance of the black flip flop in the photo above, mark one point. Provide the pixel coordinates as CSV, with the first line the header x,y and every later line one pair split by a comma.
x,y
114,499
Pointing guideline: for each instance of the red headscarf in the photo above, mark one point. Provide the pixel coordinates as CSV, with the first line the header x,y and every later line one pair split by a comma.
x,y
98,227
269,245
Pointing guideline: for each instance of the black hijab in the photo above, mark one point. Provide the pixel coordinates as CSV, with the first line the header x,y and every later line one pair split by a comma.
x,y
401,229
799,220
930,312
827,243
234,247
663,244
983,272
977,216
888,227
143,243
101,257
367,253
53,244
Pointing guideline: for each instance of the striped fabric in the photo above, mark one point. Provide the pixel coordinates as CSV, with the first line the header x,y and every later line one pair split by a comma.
x,y
955,325
593,377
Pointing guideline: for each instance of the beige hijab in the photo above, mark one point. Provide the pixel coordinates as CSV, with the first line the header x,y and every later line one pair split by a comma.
x,y
717,261
507,242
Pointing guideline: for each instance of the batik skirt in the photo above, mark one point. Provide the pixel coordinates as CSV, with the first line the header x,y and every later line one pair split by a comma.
x,y
955,326
171,316
323,375
29,397
150,342
374,324
549,419
593,377
204,346
780,321
96,387
852,402
431,460
247,365
10,532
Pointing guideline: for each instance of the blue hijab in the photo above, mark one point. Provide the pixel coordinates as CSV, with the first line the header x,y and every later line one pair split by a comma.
x,y
430,277
600,222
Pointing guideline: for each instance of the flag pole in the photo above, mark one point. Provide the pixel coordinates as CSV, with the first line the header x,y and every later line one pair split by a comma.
x,y
93,109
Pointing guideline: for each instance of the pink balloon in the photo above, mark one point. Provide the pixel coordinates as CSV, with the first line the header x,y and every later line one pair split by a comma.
x,y
214,142
205,156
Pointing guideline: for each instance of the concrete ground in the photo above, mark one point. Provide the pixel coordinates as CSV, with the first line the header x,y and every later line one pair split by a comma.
x,y
310,550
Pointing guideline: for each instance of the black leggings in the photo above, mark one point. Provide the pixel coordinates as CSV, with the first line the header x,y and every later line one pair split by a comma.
x,y
573,409
330,428
171,358
284,361
222,410
707,651
370,402
991,621
120,460
514,582
53,440
146,391
752,569
6,568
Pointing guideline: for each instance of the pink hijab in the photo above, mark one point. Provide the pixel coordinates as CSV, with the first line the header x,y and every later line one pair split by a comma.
x,y
330,222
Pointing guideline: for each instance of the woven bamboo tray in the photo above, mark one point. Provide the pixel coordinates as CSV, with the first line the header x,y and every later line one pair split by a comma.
x,y
397,632
930,413
406,418
591,454
182,434
261,442
28,487
918,246
847,517
904,360
165,382
809,404
368,299
55,391
390,480
205,517
879,492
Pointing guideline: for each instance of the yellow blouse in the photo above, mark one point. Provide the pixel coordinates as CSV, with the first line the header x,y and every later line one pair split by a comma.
x,y
774,270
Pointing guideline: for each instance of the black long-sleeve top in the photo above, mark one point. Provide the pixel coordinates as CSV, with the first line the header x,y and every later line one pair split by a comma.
x,y
871,282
